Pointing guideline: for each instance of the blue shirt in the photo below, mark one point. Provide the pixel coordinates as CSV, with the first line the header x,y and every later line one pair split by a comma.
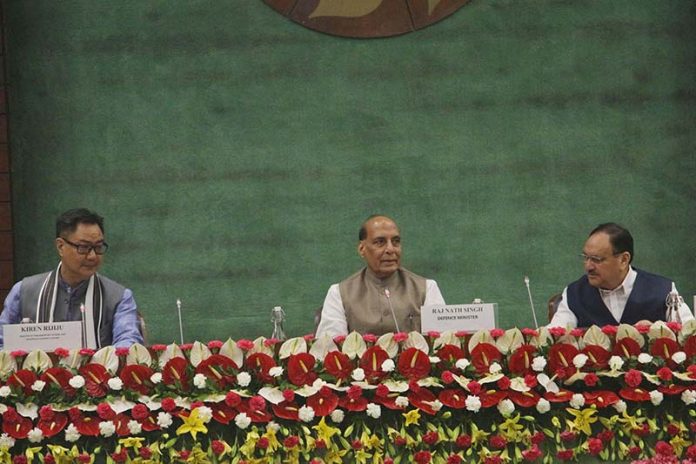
x,y
125,329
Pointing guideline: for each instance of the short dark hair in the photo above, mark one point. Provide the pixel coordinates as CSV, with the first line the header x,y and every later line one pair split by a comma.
x,y
362,233
619,237
68,221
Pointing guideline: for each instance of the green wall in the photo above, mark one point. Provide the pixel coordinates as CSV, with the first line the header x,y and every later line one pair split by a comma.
x,y
235,153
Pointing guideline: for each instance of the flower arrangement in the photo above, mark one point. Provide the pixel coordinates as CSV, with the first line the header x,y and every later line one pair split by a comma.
x,y
548,395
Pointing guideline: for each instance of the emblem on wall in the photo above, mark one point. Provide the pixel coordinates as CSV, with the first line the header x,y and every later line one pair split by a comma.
x,y
366,18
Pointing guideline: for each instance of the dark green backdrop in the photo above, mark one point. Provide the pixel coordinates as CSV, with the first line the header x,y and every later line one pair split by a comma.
x,y
234,153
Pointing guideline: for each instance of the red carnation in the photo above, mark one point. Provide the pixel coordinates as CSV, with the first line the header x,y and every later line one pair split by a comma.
x,y
105,412
664,374
218,447
145,452
119,457
422,457
474,387
291,441
633,378
168,404
663,448
591,379
431,438
232,399
463,441
532,454
454,459
140,412
565,455
595,446
497,442
504,383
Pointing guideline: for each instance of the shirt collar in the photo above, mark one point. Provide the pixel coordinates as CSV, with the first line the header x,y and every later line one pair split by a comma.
x,y
625,287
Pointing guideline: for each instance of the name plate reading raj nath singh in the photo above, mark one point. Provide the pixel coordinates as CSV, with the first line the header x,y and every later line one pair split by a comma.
x,y
45,336
466,317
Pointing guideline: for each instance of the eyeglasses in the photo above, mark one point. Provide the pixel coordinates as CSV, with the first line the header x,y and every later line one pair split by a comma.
x,y
595,259
83,249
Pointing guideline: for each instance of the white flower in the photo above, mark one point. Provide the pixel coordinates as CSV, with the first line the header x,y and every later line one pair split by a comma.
x,y
156,378
273,426
616,363
275,371
7,441
337,415
107,428
205,413
579,360
620,406
679,357
306,413
473,403
388,365
134,427
199,380
38,385
242,420
115,383
543,406
539,363
645,358
656,397
577,401
77,381
358,374
462,363
374,410
243,379
5,391
494,368
401,401
71,433
506,407
436,405
164,420
688,396
434,359
35,435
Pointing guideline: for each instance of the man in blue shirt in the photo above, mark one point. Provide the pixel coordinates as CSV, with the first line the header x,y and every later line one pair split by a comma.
x,y
74,291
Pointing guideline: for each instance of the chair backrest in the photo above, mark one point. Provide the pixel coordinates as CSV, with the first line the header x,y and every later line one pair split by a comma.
x,y
317,319
142,327
552,304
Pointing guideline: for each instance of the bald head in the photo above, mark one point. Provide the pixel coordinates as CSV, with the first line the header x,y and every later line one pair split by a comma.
x,y
380,245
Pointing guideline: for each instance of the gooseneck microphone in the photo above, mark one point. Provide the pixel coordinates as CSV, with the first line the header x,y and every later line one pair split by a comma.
x,y
83,324
181,327
391,308
531,303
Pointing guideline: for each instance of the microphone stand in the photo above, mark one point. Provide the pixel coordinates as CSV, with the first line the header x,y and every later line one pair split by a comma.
x,y
181,327
391,308
531,303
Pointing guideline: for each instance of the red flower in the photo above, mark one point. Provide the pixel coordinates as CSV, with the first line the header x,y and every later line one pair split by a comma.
x,y
568,436
690,346
504,383
490,398
633,378
691,452
532,454
610,330
591,379
520,361
140,412
257,403
260,364
538,438
287,410
371,362
496,333
626,347
400,441
18,428
105,412
54,425
454,459
497,442
663,448
168,404
601,398
288,395
474,387
606,436
222,413
664,348
291,441
463,441
664,374
145,452
23,379
220,369
214,344
530,380
557,331
672,430
301,369
175,372
431,438
422,457
136,377
263,443
232,399
453,398
245,345
449,355
565,455
323,403
369,338
119,457
338,365
19,459
483,355
422,399
634,394
561,356
218,447
413,364
524,399
447,377
595,446
598,357
60,377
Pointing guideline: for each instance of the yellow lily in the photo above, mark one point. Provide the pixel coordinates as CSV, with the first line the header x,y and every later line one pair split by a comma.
x,y
583,420
412,417
192,424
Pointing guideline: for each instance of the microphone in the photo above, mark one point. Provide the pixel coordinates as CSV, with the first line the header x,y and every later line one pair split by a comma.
x,y
391,308
531,303
84,325
181,327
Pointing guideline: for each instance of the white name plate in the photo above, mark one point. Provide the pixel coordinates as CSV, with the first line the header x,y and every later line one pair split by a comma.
x,y
45,336
466,317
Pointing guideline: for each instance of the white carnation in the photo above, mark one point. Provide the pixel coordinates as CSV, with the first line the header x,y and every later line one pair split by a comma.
x,y
77,381
243,379
115,383
436,405
462,363
358,374
374,410
620,406
577,401
401,401
71,433
388,365
506,407
494,368
688,396
616,363
205,413
156,378
656,397
580,360
35,435
242,420
434,359
679,357
337,415
275,371
7,441
164,420
134,427
539,364
473,403
273,426
5,391
107,428
543,406
38,385
199,380
306,413
645,358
